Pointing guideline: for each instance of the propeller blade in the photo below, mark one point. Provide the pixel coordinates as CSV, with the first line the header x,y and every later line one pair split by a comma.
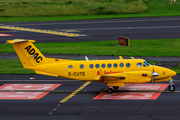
x,y
152,79
154,74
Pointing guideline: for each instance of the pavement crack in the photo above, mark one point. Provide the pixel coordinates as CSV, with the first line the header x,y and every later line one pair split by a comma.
x,y
141,106
151,116
102,106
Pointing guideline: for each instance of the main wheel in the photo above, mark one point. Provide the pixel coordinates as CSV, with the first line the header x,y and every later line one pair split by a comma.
x,y
109,90
171,87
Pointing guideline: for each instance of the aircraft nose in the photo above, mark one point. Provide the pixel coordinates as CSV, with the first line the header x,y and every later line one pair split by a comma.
x,y
169,73
164,72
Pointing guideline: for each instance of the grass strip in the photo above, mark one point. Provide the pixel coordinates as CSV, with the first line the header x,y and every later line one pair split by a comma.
x,y
157,47
13,66
43,10
12,8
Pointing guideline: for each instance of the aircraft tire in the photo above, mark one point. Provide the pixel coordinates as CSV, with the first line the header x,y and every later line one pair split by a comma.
x,y
109,90
171,87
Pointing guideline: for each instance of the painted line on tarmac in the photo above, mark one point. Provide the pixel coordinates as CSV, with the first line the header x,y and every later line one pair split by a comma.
x,y
127,28
43,31
75,92
99,22
25,95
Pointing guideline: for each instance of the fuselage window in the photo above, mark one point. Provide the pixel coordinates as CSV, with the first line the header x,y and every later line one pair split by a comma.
x,y
144,65
103,65
139,64
121,65
127,65
81,66
97,65
91,66
109,65
115,65
70,66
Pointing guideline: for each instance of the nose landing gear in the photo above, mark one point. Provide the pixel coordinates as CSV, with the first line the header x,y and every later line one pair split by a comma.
x,y
171,85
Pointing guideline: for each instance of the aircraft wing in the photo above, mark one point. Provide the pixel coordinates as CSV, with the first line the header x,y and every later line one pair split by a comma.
x,y
118,79
119,76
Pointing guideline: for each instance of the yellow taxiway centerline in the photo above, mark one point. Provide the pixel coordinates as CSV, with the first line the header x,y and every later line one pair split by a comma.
x,y
43,31
75,92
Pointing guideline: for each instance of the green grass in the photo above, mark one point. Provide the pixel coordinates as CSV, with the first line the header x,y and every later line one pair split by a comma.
x,y
157,47
44,10
18,8
13,66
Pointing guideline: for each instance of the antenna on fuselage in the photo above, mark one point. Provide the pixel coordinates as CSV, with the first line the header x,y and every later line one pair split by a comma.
x,y
87,59
120,57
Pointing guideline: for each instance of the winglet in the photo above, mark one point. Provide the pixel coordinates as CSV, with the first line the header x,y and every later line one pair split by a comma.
x,y
100,76
87,59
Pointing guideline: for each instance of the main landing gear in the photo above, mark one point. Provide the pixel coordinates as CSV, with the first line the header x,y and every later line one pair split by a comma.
x,y
111,89
171,85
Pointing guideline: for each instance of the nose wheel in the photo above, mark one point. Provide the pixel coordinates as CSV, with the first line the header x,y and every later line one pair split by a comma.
x,y
171,85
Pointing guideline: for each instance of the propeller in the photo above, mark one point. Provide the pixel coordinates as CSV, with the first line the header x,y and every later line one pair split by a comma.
x,y
154,74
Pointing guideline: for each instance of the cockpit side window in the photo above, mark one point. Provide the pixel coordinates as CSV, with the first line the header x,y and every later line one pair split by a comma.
x,y
139,64
146,64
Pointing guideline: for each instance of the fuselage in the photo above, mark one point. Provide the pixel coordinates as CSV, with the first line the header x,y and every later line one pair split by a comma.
x,y
89,70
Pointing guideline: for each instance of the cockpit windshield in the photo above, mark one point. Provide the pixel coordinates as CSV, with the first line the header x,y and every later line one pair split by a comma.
x,y
146,63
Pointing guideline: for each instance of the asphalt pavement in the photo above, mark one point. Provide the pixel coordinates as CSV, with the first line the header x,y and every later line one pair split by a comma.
x,y
93,30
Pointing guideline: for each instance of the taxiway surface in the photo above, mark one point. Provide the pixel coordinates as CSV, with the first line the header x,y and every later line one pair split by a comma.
x,y
82,105
93,30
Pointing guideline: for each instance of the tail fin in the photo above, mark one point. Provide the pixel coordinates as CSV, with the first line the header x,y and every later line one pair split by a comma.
x,y
27,52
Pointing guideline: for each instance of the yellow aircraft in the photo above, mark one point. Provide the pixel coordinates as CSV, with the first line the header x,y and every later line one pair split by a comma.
x,y
115,72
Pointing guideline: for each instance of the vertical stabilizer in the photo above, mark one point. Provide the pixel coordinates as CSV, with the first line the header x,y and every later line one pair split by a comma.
x,y
27,52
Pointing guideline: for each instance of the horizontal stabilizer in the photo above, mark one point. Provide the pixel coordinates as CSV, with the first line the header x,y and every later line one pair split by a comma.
x,y
19,41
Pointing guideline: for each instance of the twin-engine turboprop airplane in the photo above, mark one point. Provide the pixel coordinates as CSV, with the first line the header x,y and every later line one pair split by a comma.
x,y
113,72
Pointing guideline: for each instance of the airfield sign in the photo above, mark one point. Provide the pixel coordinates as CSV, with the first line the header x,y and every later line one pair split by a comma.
x,y
124,41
